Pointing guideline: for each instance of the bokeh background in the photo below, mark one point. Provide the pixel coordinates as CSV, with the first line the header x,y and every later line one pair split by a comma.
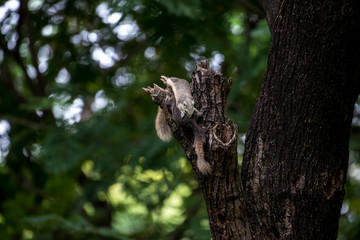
x,y
79,155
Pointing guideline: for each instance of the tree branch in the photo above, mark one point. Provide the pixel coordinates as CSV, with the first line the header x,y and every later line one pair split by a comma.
x,y
38,88
21,121
29,31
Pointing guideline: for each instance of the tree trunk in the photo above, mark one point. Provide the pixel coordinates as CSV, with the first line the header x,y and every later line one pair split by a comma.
x,y
221,188
296,152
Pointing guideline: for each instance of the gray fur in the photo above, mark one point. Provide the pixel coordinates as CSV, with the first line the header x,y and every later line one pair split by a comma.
x,y
182,93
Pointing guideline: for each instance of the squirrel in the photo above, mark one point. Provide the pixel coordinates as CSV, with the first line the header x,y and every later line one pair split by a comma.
x,y
184,102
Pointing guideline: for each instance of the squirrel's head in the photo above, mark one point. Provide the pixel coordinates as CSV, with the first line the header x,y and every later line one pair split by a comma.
x,y
187,107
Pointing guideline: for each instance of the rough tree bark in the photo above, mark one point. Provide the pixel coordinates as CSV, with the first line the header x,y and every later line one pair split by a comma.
x,y
296,153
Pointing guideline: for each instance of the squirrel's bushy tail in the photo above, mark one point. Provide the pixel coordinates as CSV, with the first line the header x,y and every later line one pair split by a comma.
x,y
203,166
162,127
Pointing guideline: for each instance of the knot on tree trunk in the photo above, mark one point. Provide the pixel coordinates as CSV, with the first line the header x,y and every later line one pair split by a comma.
x,y
225,134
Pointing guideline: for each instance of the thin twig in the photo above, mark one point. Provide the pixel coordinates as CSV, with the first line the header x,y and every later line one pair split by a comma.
x,y
21,121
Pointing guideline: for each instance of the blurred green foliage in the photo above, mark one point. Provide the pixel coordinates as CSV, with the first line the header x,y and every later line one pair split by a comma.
x,y
79,156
